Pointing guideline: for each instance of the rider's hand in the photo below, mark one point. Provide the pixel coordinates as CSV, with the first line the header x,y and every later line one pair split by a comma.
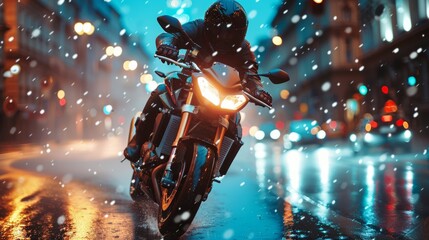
x,y
263,96
258,93
169,51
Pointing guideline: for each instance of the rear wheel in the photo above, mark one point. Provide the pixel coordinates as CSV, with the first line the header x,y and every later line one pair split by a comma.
x,y
192,173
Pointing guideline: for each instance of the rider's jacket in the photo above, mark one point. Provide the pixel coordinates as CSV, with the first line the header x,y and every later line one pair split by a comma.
x,y
241,59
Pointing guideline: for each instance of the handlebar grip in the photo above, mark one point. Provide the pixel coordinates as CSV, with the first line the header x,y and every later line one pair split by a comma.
x,y
256,100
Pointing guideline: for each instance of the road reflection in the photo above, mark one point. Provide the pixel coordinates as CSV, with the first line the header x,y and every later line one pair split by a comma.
x,y
372,194
38,206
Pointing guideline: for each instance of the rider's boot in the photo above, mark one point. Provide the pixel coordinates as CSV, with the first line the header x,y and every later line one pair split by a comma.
x,y
132,151
144,126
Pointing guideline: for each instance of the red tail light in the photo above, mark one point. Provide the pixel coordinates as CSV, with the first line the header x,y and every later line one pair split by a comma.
x,y
374,124
333,124
386,118
399,122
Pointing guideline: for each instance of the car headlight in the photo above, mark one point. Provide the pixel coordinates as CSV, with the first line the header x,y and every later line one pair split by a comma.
x,y
353,137
294,137
368,137
208,91
321,134
233,102
407,134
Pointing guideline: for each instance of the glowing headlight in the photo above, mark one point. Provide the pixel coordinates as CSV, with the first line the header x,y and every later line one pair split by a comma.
x,y
294,137
208,91
233,102
321,134
368,137
407,134
353,137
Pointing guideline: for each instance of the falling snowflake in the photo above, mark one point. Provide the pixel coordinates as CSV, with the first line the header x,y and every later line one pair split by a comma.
x,y
228,234
61,219
36,33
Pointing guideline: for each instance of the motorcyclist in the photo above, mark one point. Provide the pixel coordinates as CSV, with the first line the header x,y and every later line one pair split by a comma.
x,y
221,36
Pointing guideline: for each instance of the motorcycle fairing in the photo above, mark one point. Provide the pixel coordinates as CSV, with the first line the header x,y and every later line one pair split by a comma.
x,y
223,76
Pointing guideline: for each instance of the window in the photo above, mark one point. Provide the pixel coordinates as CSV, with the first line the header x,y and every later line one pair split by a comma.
x,y
347,13
423,7
349,50
403,14
386,28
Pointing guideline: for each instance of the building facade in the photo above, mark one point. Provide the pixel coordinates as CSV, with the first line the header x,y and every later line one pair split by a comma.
x,y
57,81
341,53
321,52
395,37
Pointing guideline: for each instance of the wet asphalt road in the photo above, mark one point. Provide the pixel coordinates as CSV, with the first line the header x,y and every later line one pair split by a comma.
x,y
80,191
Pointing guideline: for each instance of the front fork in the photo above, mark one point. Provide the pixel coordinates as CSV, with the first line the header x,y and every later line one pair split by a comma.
x,y
167,180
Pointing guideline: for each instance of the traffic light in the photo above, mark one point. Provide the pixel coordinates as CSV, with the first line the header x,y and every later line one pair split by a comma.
x,y
363,90
10,107
317,7
412,81
385,89
62,102
107,109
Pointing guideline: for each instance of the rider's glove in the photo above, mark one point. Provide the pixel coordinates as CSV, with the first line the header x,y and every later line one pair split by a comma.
x,y
258,93
169,51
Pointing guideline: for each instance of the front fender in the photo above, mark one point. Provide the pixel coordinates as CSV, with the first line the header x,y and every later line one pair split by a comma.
x,y
196,160
201,156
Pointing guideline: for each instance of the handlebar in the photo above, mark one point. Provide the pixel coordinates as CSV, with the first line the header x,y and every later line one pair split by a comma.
x,y
195,68
180,64
256,100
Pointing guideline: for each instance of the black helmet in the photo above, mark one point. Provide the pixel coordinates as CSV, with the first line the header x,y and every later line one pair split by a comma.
x,y
225,24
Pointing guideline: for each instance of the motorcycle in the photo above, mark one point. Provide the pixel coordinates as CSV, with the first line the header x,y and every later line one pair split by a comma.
x,y
192,143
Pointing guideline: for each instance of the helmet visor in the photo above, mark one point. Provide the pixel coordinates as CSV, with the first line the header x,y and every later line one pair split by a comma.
x,y
226,38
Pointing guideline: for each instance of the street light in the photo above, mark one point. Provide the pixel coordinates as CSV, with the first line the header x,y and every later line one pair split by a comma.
x,y
277,40
88,28
146,78
110,50
84,28
61,94
130,65
114,51
117,51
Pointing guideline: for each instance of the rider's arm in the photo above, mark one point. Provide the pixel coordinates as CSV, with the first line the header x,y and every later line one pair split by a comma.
x,y
249,65
192,29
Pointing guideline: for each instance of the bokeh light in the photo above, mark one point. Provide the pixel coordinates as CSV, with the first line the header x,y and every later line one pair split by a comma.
x,y
146,78
277,40
61,94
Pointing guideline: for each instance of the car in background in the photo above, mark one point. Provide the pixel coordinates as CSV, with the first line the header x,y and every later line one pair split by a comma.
x,y
266,131
304,131
389,130
335,129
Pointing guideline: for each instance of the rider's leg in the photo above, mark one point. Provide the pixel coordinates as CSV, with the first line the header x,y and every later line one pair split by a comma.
x,y
144,125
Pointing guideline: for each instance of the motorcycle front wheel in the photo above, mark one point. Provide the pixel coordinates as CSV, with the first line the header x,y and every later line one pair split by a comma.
x,y
193,174
136,192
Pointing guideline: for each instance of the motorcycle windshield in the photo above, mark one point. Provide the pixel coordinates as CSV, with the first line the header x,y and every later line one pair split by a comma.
x,y
223,75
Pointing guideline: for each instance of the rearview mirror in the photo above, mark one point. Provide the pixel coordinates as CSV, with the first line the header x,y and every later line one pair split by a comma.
x,y
170,24
277,76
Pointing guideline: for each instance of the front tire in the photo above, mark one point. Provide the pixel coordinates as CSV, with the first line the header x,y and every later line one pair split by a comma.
x,y
136,192
193,174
